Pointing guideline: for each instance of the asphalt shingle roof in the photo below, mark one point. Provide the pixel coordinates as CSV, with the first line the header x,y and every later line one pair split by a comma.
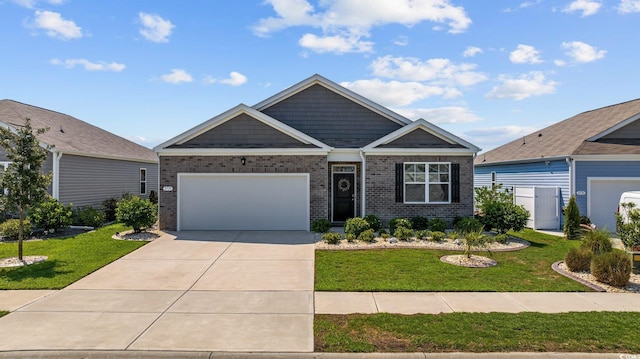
x,y
569,137
70,135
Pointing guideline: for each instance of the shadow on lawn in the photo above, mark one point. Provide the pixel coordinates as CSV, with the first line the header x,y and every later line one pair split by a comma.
x,y
46,269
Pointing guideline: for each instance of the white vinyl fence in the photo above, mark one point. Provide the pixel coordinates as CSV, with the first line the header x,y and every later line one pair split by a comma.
x,y
543,203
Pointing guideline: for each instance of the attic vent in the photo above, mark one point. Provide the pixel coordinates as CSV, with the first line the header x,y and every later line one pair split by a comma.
x,y
524,142
61,129
539,135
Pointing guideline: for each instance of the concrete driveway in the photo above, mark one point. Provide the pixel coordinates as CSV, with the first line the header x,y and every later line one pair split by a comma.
x,y
189,291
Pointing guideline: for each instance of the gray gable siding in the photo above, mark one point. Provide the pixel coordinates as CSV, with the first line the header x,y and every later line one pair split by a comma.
x,y
87,181
630,131
331,118
243,131
419,138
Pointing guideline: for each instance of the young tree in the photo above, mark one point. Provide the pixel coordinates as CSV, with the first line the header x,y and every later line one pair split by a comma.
x,y
24,186
572,219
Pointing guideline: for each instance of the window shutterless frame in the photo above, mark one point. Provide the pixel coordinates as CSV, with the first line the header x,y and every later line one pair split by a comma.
x,y
143,181
427,182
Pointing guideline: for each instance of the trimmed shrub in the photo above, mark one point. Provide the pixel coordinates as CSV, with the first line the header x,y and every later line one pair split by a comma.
x,y
332,237
504,216
109,207
398,222
466,225
385,235
350,237
438,236
437,225
422,234
597,241
585,220
88,216
578,259
321,225
613,268
10,229
355,226
419,223
137,212
374,222
453,235
367,236
153,197
501,238
382,231
403,233
572,219
51,215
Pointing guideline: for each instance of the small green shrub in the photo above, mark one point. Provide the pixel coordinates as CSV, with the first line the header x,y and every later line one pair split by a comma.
x,y
367,236
153,197
468,224
374,222
628,226
332,237
578,259
382,231
438,236
321,225
501,238
422,234
597,241
504,216
385,235
437,225
51,215
398,222
350,237
613,268
419,223
88,216
137,212
109,207
403,233
10,229
572,219
453,235
355,226
585,220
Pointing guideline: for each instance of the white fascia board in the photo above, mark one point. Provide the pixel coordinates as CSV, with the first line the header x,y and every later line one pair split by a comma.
x,y
106,157
520,161
232,113
243,151
344,155
426,126
614,128
625,157
40,143
341,90
419,152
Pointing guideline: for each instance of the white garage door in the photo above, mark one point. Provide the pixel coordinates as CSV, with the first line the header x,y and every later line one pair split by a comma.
x,y
243,202
604,194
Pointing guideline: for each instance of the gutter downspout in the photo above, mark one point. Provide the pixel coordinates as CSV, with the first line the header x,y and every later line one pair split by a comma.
x,y
362,186
56,175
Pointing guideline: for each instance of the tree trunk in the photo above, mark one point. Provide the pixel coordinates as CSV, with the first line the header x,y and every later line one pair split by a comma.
x,y
20,233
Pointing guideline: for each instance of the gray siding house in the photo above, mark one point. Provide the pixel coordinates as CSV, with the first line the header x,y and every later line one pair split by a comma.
x,y
88,164
594,155
313,151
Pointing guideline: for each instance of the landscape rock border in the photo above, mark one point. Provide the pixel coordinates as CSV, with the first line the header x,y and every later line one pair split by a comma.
x,y
469,262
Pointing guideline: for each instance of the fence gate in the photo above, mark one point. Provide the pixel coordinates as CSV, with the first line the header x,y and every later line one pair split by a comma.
x,y
542,203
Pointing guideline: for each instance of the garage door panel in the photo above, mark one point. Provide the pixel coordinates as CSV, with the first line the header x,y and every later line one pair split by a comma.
x,y
244,202
604,195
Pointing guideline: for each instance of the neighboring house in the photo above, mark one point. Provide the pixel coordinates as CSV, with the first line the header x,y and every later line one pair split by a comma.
x,y
594,155
88,164
313,151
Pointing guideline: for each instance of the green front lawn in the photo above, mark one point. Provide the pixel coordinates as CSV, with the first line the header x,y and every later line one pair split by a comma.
x,y
479,332
398,270
69,259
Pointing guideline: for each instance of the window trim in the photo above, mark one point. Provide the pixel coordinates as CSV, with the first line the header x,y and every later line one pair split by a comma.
x,y
142,181
426,182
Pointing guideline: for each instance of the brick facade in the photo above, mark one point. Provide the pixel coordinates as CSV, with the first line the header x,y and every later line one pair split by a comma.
x,y
170,166
380,189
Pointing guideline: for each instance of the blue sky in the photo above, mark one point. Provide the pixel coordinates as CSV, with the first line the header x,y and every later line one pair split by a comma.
x,y
487,71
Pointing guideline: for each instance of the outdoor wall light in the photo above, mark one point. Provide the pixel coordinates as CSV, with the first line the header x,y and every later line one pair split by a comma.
x,y
243,161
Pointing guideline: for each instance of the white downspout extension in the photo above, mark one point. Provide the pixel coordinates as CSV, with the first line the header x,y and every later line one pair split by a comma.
x,y
362,186
56,175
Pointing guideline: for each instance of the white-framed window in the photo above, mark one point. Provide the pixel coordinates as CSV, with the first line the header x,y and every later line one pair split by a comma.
x,y
143,181
427,182
494,180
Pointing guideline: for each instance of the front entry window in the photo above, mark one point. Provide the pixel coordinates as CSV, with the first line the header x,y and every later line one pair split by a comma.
x,y
427,182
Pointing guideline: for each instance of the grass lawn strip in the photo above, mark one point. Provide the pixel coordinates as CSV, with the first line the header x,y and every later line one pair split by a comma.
x,y
600,332
70,258
399,270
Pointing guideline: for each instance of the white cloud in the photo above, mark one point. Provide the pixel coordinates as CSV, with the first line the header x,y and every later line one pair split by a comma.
x,y
353,19
587,7
154,28
525,54
396,93
335,44
401,41
440,115
532,84
527,4
234,79
177,76
440,71
30,4
583,52
490,137
629,6
56,26
88,65
472,51
559,62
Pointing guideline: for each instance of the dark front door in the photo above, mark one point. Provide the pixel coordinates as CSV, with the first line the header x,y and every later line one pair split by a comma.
x,y
343,196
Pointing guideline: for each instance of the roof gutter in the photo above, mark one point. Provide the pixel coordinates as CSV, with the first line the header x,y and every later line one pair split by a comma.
x,y
526,160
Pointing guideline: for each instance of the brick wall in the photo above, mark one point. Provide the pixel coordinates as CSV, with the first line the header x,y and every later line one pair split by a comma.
x,y
170,166
380,189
